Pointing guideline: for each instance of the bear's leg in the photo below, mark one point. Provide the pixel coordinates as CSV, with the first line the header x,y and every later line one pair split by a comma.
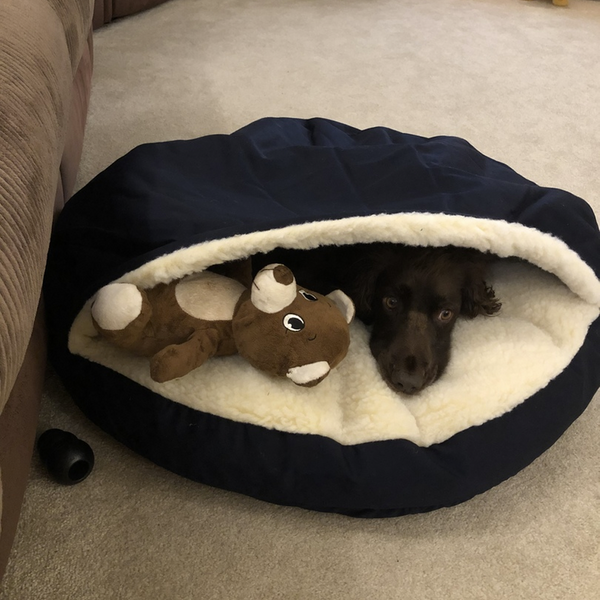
x,y
121,312
178,360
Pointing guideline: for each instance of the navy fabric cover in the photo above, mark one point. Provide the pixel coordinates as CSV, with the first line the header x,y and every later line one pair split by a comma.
x,y
273,173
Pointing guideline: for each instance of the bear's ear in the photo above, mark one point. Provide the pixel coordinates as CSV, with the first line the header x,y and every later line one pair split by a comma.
x,y
273,288
343,302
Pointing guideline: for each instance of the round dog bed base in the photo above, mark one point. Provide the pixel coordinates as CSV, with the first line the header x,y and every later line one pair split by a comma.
x,y
349,445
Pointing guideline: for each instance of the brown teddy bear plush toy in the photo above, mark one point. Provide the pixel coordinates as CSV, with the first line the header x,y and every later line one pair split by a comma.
x,y
275,325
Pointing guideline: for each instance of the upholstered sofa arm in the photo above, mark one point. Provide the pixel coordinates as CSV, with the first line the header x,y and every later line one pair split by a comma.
x,y
45,72
41,45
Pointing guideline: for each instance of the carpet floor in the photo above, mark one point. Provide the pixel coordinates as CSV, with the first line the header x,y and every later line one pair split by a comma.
x,y
521,81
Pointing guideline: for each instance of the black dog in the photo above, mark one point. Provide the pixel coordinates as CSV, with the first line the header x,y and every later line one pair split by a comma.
x,y
412,297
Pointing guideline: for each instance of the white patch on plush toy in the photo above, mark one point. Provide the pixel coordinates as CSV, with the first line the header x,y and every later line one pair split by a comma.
x,y
116,305
307,373
268,294
344,303
208,296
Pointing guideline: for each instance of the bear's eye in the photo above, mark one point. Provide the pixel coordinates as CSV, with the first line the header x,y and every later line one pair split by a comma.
x,y
293,322
308,296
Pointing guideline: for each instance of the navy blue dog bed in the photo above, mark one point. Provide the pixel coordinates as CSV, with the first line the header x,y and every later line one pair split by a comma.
x,y
349,445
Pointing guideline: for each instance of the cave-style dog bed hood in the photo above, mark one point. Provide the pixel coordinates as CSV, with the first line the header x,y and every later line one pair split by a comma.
x,y
515,382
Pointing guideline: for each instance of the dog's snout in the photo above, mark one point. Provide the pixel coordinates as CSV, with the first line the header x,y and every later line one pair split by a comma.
x,y
411,363
410,375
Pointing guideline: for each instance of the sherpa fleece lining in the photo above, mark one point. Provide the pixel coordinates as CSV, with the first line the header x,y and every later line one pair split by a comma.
x,y
497,362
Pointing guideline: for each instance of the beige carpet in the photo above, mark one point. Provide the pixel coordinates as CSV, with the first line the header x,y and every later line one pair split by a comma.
x,y
521,81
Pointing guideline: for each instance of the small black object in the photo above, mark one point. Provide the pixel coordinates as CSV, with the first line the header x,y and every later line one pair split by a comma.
x,y
68,459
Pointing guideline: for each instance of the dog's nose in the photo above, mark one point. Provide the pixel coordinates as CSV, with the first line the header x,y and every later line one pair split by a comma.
x,y
411,377
407,383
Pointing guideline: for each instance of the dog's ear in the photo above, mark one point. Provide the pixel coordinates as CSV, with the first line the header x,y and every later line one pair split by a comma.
x,y
478,298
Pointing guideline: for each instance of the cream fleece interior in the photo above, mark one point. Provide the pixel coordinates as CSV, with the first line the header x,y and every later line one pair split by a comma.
x,y
548,304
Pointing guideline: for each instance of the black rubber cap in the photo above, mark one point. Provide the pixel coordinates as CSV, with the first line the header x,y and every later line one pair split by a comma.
x,y
68,459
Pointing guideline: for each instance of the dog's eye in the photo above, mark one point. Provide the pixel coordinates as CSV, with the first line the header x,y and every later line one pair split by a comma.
x,y
445,315
293,322
390,302
308,296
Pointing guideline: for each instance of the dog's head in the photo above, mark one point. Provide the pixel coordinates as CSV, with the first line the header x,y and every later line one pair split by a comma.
x,y
412,297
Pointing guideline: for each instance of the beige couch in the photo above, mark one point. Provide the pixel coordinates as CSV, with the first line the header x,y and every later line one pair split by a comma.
x,y
45,81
